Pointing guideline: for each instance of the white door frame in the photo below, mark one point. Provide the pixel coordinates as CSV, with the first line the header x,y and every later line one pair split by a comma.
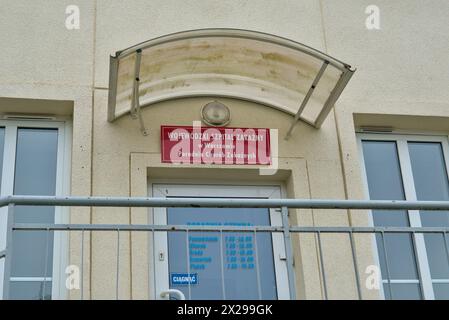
x,y
161,272
60,243
410,195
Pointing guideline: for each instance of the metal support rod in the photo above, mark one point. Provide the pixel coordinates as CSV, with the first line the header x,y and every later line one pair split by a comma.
x,y
257,265
323,272
9,252
82,265
415,259
135,101
2,254
223,203
334,95
356,268
139,114
288,252
446,246
117,278
307,98
47,241
112,92
223,289
188,264
386,265
153,247
136,84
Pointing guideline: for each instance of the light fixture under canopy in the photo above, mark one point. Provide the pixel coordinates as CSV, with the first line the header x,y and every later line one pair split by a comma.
x,y
249,65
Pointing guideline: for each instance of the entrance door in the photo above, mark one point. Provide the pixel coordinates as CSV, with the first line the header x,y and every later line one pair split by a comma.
x,y
220,265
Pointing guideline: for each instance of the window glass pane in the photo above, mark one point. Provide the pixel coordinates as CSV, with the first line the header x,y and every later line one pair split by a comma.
x,y
30,290
384,180
2,146
383,170
429,170
35,174
401,257
30,249
403,291
36,161
385,183
437,256
441,291
431,183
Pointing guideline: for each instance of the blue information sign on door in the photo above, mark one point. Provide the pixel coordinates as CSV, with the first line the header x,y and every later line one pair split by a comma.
x,y
178,279
231,265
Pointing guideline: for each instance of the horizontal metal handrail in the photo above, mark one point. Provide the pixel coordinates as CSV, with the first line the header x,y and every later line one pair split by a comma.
x,y
223,203
158,227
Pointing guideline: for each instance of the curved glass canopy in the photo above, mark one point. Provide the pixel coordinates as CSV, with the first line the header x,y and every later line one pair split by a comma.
x,y
241,64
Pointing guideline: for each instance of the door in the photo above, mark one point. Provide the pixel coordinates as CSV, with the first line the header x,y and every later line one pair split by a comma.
x,y
220,265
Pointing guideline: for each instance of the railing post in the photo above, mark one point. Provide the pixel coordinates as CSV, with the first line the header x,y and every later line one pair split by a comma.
x,y
356,268
322,269
8,256
117,276
288,252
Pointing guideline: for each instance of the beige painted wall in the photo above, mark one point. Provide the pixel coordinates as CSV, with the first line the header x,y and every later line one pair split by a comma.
x,y
402,74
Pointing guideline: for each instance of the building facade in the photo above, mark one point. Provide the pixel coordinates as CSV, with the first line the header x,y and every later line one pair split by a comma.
x,y
73,124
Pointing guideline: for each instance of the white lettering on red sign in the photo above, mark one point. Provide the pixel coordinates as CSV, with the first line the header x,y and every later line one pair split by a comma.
x,y
209,145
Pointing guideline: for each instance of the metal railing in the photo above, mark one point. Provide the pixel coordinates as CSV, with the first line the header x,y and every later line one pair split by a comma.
x,y
286,229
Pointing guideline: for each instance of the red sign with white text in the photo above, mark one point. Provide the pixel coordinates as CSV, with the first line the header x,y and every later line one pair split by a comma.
x,y
215,145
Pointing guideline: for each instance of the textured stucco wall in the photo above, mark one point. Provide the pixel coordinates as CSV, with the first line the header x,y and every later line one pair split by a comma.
x,y
402,70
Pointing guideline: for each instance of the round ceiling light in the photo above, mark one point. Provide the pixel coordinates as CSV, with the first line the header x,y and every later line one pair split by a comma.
x,y
215,114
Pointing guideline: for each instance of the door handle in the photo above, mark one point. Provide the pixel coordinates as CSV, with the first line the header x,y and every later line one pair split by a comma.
x,y
175,292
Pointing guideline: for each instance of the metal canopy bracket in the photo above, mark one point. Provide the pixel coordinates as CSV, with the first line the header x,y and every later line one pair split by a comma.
x,y
306,98
135,104
338,89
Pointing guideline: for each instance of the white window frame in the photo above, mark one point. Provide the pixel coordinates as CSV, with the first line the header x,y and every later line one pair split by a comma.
x,y
401,140
159,216
60,244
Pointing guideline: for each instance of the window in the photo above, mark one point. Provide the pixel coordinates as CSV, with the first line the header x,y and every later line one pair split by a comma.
x,y
405,167
32,162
